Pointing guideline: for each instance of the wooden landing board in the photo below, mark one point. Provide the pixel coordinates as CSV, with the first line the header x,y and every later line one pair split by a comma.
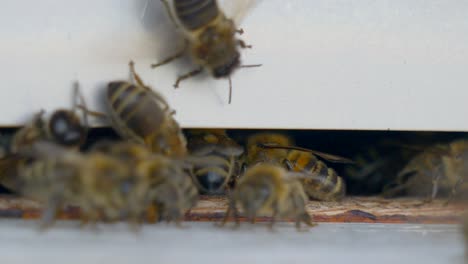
x,y
352,209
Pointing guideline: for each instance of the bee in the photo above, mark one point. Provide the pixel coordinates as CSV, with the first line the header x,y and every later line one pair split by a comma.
x,y
375,167
161,183
216,145
167,188
268,189
319,181
209,37
97,183
438,169
142,115
64,127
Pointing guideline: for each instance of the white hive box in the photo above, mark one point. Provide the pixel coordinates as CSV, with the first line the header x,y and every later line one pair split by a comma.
x,y
327,64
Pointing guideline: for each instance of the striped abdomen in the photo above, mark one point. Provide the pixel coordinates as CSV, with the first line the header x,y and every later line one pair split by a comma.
x,y
46,178
194,14
134,112
322,183
212,179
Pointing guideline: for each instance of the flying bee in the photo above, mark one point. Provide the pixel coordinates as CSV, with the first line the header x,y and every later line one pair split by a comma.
x,y
209,37
438,169
142,115
319,181
216,145
268,189
64,127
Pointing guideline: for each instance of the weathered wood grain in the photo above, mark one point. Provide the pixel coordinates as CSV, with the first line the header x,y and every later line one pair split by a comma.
x,y
352,209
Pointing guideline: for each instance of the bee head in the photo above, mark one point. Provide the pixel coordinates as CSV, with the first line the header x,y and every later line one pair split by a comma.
x,y
66,128
253,198
212,181
228,67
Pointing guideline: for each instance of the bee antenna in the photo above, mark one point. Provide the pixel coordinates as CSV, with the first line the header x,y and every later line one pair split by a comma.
x,y
145,8
250,65
230,89
80,102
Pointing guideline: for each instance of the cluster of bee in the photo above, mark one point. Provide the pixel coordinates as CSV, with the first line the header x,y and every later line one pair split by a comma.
x,y
111,180
156,174
151,169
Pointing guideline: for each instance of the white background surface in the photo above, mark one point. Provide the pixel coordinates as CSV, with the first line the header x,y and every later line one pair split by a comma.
x,y
336,64
20,243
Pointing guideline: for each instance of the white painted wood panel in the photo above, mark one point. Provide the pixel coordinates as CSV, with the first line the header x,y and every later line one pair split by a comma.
x,y
339,64
22,243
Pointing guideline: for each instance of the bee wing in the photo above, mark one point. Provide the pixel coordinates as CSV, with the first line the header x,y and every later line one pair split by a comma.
x,y
299,175
229,147
199,147
190,161
238,9
440,149
332,158
326,156
46,149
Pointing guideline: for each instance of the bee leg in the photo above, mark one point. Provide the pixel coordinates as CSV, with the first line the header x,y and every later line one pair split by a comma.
x,y
135,225
287,164
50,213
169,12
177,55
240,31
454,191
135,75
392,191
236,217
80,102
187,75
307,219
227,214
152,214
226,217
301,214
435,188
180,224
91,112
253,220
273,217
243,45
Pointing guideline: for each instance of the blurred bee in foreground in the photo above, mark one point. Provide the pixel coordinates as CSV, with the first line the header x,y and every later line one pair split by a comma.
x,y
58,177
169,189
143,116
319,181
215,145
161,182
267,189
209,37
64,127
438,169
105,184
